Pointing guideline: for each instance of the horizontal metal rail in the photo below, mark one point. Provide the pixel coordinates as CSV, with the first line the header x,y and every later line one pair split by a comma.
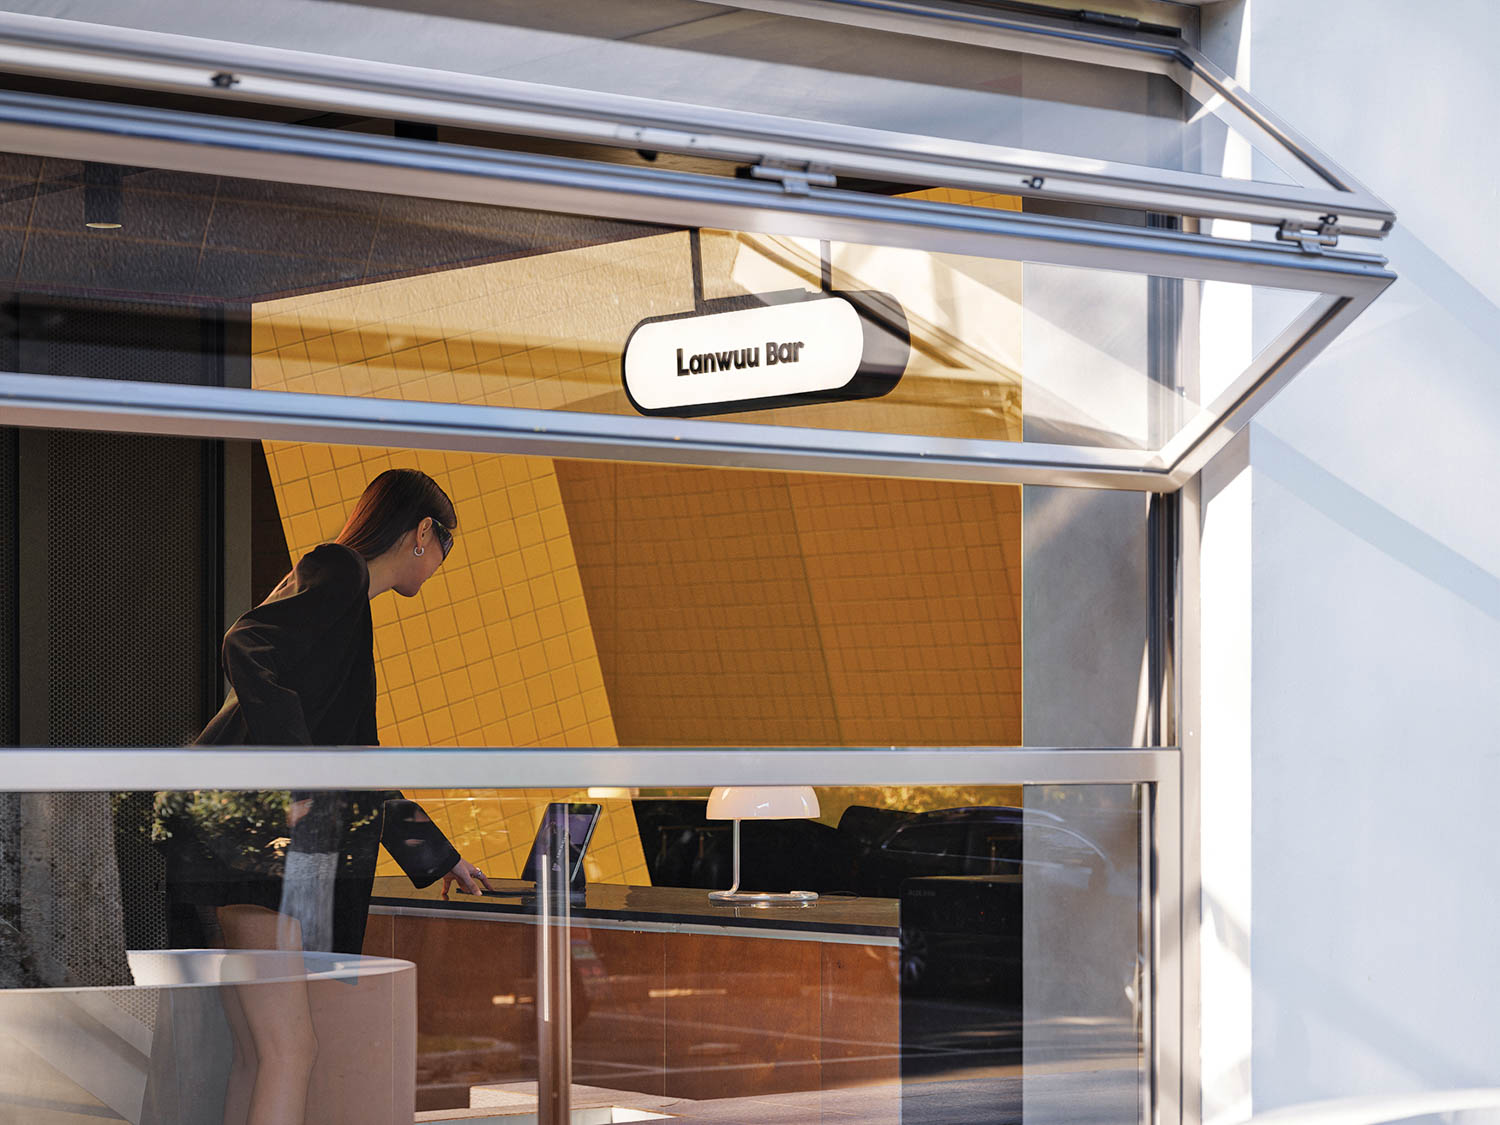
x,y
47,770
81,51
137,136
1127,48
57,402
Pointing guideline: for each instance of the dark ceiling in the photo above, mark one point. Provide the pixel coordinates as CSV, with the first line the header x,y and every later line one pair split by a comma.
x,y
195,238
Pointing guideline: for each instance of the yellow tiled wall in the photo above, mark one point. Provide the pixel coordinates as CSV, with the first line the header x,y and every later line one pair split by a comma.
x,y
864,612
547,331
753,608
497,650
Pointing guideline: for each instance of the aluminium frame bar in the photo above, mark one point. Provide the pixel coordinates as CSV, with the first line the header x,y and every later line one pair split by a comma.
x,y
65,128
1275,367
1100,45
279,767
62,402
78,51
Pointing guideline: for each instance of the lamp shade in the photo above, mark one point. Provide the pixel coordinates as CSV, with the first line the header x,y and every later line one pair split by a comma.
x,y
762,802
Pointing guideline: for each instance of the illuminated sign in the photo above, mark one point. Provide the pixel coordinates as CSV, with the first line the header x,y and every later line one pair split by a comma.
x,y
768,350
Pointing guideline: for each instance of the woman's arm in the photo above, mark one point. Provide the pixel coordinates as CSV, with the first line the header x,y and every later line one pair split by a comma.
x,y
265,648
420,847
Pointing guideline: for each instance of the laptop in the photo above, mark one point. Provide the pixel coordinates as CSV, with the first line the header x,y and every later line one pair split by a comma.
x,y
582,819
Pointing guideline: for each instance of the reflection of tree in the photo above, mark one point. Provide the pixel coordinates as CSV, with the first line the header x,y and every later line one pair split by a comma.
x,y
60,921
249,830
246,829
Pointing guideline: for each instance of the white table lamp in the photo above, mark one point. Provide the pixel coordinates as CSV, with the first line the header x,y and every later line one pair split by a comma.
x,y
760,802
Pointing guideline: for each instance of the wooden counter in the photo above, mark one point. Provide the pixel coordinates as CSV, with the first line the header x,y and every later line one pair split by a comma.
x,y
673,995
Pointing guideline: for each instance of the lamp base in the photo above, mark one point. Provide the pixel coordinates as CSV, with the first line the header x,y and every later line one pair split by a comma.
x,y
764,898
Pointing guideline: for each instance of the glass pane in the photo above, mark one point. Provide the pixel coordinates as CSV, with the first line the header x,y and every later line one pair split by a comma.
x,y
814,70
189,957
818,71
998,969
601,604
582,603
220,281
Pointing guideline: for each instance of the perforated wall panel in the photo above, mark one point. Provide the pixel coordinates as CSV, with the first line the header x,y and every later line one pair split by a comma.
x,y
119,340
126,599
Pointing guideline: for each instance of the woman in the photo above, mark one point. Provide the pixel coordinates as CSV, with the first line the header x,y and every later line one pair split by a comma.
x,y
295,870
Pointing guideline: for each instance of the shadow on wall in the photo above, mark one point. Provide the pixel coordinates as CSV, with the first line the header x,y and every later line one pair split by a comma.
x,y
1377,525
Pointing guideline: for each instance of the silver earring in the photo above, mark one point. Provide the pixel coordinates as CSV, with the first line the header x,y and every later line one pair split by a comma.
x,y
419,551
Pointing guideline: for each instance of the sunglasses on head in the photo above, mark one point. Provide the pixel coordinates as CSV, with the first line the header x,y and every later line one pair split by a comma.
x,y
444,537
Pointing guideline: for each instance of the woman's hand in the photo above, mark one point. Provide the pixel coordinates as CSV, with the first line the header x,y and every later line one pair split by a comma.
x,y
467,876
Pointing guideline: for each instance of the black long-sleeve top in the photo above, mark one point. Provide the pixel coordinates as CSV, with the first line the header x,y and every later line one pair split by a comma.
x,y
301,669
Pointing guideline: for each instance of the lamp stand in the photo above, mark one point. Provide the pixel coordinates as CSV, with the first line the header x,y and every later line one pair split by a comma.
x,y
737,897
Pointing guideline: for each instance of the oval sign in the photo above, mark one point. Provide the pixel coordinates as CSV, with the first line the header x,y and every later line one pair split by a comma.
x,y
814,348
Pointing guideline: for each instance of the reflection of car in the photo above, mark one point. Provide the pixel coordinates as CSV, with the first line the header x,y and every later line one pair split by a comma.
x,y
985,840
1016,928
962,934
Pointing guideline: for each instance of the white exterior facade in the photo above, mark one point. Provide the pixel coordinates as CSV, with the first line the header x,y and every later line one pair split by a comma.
x,y
1351,603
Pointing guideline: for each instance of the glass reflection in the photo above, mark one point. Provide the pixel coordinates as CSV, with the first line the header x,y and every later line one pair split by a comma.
x,y
975,947
222,281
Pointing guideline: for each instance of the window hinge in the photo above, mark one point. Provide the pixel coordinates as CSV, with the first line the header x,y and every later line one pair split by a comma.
x,y
1312,237
794,179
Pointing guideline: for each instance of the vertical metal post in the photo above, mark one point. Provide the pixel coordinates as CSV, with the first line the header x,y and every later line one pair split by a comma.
x,y
1187,965
554,1000
1147,953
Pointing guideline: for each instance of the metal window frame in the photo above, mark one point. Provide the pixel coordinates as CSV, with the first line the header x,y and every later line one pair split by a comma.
x,y
1347,282
1334,204
65,128
110,770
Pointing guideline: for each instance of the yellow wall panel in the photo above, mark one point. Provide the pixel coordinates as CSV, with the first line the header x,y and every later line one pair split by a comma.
x,y
504,646
753,609
497,650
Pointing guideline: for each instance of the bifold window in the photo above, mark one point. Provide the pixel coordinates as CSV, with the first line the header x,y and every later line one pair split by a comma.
x,y
514,328
797,370
898,949
958,302
890,92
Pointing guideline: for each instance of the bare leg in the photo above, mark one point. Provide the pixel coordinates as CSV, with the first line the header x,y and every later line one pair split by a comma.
x,y
278,1017
242,1070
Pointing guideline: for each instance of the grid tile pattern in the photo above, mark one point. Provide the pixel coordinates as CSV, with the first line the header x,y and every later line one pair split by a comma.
x,y
916,587
542,332
733,608
496,651
548,331
705,622
754,608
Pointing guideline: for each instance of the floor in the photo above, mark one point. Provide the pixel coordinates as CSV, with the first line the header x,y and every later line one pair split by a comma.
x,y
1077,1097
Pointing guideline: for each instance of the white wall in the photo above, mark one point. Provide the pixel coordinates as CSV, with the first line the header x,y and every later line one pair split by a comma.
x,y
1374,566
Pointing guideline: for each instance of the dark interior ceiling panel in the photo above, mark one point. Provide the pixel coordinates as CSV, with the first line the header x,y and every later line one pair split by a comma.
x,y
186,237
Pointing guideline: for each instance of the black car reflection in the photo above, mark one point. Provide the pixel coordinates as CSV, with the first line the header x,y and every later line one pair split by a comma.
x,y
984,840
873,851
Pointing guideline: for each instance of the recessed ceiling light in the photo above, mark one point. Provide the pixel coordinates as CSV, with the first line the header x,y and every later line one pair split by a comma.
x,y
104,226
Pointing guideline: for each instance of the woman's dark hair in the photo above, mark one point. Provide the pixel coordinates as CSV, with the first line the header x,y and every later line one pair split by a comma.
x,y
394,503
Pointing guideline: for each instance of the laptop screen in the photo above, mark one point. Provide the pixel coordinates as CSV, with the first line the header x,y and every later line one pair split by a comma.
x,y
581,821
